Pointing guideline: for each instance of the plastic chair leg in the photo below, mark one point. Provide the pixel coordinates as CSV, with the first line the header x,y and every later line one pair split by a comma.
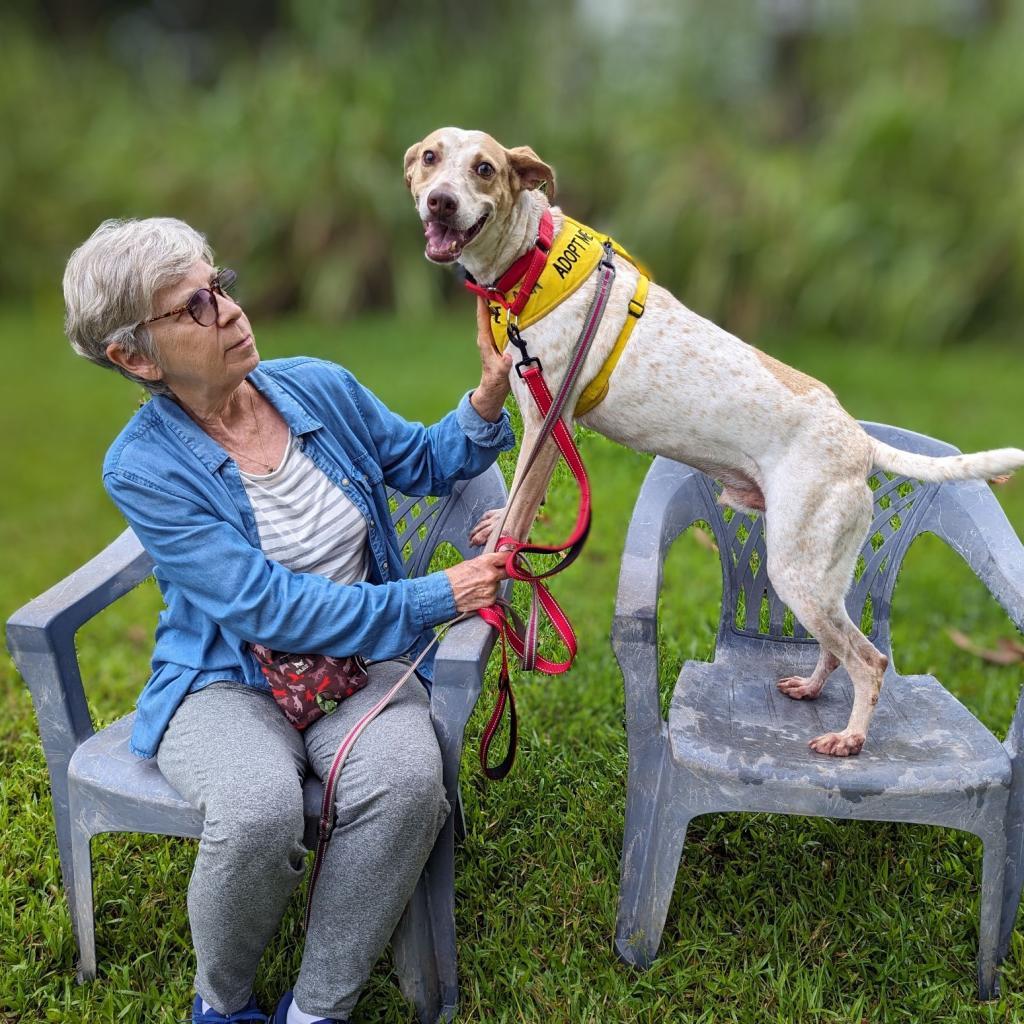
x,y
992,883
82,903
415,962
62,823
439,879
1014,879
459,815
1011,898
651,851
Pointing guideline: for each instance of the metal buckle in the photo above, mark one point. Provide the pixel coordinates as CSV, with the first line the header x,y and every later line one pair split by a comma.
x,y
527,362
517,339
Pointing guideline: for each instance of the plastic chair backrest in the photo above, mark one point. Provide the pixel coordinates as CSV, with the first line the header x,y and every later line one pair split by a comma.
x,y
751,609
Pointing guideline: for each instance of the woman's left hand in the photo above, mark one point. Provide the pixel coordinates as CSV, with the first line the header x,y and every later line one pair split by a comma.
x,y
494,387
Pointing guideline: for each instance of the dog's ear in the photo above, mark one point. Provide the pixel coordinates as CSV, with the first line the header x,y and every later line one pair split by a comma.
x,y
530,171
412,154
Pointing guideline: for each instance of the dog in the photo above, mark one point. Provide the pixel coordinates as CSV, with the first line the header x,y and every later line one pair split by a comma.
x,y
685,388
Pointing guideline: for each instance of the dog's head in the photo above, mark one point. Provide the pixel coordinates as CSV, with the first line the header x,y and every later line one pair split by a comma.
x,y
463,183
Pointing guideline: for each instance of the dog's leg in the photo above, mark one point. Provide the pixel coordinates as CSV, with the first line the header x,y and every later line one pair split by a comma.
x,y
809,687
528,488
866,666
811,556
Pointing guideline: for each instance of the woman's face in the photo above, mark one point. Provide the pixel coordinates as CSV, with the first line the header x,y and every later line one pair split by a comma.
x,y
201,361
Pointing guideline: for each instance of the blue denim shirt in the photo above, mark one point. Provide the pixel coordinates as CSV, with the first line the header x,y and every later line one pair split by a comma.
x,y
182,495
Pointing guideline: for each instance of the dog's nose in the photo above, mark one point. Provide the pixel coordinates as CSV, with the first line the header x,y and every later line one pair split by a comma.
x,y
441,203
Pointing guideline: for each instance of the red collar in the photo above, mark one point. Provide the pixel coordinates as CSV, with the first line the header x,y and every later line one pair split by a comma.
x,y
527,268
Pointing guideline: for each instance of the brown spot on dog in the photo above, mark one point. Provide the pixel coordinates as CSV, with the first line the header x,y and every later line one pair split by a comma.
x,y
417,174
797,382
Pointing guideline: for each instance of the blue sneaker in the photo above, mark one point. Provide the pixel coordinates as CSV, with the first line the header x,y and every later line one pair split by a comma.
x,y
251,1012
281,1013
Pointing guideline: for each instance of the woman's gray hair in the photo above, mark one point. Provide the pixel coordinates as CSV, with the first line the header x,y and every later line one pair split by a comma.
x,y
110,281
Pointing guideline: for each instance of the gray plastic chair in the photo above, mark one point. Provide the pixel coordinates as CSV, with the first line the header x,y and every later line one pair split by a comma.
x,y
100,786
732,742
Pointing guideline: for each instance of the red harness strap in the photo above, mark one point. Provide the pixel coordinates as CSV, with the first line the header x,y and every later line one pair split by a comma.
x,y
527,268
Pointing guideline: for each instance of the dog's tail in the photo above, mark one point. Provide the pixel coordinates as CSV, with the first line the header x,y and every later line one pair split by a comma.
x,y
996,464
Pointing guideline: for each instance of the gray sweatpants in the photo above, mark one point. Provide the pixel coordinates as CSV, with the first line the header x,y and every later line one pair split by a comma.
x,y
232,753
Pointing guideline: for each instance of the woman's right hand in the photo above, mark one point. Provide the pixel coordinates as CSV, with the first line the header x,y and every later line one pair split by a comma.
x,y
475,582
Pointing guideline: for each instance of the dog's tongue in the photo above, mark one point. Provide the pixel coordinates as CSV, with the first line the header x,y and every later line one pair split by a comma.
x,y
443,242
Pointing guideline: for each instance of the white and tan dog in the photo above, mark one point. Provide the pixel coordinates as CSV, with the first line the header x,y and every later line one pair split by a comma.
x,y
686,389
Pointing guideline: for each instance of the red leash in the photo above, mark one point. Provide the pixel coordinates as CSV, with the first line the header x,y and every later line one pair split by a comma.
x,y
513,632
521,637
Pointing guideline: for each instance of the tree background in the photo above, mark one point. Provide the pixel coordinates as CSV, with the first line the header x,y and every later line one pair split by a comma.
x,y
826,167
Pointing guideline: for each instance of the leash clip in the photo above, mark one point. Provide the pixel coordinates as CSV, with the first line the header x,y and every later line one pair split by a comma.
x,y
520,343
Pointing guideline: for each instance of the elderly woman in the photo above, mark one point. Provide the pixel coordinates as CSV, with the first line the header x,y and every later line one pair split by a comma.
x,y
259,492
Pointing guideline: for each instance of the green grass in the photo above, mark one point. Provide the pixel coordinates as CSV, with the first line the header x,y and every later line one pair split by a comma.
x,y
774,918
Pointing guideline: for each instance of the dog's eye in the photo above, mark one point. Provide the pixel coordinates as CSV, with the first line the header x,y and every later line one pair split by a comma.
x,y
484,169
429,157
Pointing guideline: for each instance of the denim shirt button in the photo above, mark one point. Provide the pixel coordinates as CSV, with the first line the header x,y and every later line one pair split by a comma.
x,y
384,565
344,481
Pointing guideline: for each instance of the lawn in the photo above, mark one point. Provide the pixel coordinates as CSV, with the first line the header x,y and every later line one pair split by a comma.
x,y
774,918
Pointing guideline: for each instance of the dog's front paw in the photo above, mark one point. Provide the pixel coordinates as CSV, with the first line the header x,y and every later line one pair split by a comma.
x,y
838,744
800,688
481,533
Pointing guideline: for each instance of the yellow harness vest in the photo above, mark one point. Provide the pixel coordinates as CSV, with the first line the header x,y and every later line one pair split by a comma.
x,y
574,254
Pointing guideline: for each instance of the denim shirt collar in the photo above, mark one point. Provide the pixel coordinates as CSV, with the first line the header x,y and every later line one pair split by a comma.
x,y
300,421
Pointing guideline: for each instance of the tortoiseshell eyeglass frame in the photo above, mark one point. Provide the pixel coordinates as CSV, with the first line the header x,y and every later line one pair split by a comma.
x,y
222,282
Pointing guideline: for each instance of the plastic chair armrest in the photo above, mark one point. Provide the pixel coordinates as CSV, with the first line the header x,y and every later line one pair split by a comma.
x,y
458,679
971,521
671,499
67,605
41,639
462,656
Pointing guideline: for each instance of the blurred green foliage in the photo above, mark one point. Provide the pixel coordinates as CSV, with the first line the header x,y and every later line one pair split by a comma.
x,y
855,174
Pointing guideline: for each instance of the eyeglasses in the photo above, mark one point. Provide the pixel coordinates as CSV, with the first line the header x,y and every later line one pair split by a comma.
x,y
202,304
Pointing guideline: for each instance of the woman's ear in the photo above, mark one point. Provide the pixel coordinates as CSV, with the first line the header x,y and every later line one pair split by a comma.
x,y
135,363
529,171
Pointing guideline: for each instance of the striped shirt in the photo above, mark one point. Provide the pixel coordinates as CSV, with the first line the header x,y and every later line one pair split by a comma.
x,y
306,522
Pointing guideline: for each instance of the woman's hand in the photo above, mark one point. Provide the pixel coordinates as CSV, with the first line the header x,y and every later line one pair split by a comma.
x,y
494,387
475,581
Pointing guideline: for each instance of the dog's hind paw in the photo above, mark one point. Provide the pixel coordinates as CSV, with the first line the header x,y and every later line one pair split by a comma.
x,y
800,687
838,744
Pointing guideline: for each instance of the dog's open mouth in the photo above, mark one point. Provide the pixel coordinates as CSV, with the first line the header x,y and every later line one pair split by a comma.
x,y
445,243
